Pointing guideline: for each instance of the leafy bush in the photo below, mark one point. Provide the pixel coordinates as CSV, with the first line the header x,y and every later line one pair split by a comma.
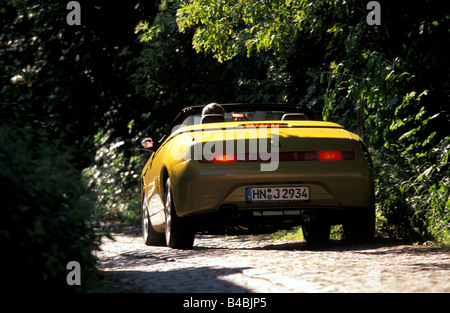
x,y
114,176
382,102
44,217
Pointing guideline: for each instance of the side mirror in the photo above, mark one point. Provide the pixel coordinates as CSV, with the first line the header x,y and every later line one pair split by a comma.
x,y
144,143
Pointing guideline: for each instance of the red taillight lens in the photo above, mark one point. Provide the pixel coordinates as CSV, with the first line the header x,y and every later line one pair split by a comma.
x,y
224,158
329,156
336,155
219,158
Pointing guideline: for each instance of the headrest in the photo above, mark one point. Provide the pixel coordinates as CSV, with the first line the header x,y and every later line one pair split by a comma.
x,y
213,118
294,117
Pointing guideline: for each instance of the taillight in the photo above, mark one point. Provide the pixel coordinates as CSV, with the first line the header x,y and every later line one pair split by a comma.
x,y
316,156
282,156
224,158
329,156
336,155
219,158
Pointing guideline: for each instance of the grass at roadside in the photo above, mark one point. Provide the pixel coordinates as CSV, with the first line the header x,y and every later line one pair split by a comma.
x,y
337,233
296,234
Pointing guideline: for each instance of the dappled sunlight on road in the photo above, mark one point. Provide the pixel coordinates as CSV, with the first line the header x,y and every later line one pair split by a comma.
x,y
241,264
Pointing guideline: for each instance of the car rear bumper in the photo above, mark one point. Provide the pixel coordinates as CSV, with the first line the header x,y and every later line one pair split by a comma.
x,y
200,189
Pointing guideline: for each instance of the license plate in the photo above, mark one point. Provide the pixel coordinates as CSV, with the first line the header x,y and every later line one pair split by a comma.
x,y
277,194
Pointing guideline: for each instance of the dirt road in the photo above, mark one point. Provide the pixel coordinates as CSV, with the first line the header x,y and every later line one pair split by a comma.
x,y
245,264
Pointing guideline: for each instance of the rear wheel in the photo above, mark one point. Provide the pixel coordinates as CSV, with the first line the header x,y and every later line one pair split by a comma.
x,y
179,233
150,235
316,232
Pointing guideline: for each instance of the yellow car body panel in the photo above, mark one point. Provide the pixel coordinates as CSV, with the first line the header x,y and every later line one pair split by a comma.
x,y
201,187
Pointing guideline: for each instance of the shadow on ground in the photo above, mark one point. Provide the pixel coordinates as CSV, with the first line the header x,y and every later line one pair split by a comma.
x,y
175,281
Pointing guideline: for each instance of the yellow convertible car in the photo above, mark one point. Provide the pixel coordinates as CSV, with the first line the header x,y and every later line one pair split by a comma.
x,y
255,169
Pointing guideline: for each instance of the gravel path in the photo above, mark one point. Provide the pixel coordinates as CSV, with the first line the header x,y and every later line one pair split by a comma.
x,y
248,264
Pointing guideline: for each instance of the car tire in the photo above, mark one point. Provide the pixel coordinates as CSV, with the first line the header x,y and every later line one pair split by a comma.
x,y
179,233
316,233
150,235
361,227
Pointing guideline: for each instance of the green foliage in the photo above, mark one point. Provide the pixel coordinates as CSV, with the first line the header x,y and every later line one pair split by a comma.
x,y
296,234
45,214
73,79
390,115
114,177
392,109
60,84
229,28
